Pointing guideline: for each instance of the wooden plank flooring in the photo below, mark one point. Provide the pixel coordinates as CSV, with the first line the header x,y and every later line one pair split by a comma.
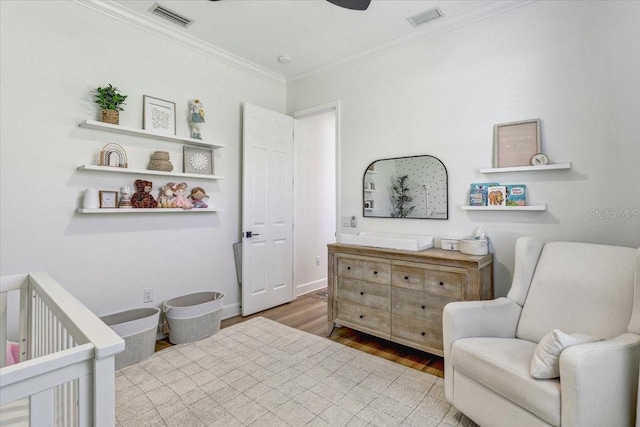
x,y
309,313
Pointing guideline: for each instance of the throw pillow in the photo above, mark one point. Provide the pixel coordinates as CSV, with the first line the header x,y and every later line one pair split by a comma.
x,y
546,359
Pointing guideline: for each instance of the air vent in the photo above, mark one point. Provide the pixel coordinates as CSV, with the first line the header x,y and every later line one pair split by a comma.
x,y
170,15
424,17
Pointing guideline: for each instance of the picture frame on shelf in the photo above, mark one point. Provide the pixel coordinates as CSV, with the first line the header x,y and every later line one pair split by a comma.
x,y
108,199
158,115
198,160
515,143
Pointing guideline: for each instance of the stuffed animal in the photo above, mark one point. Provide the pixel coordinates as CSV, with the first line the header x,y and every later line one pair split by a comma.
x,y
179,198
197,196
142,198
166,194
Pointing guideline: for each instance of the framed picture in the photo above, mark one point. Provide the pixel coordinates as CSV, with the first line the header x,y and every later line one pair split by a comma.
x,y
108,199
158,115
198,160
514,144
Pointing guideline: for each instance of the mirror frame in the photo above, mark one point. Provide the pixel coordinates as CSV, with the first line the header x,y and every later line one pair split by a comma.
x,y
364,182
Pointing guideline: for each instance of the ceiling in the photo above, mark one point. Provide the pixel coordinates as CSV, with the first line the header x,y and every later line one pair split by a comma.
x,y
317,35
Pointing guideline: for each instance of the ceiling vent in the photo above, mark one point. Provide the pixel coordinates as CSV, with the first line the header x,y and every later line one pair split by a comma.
x,y
424,17
170,15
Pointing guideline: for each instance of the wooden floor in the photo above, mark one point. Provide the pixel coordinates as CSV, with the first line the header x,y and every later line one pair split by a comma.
x,y
309,313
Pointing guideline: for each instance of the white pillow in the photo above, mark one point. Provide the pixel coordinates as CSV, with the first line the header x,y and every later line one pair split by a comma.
x,y
546,359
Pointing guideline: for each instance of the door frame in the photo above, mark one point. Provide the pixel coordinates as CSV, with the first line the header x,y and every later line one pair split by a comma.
x,y
311,111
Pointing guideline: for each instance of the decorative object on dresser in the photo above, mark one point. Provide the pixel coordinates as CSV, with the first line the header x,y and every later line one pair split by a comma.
x,y
160,162
158,116
113,153
399,295
198,160
196,118
110,101
515,143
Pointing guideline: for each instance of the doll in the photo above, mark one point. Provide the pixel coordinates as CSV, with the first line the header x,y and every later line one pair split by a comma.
x,y
179,198
198,196
196,118
166,194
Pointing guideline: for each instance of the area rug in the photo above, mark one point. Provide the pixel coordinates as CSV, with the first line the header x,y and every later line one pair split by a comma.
x,y
262,373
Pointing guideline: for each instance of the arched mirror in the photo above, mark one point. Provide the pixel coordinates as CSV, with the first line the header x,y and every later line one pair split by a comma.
x,y
406,187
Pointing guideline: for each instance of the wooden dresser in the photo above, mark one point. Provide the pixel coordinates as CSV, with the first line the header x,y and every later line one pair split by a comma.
x,y
399,295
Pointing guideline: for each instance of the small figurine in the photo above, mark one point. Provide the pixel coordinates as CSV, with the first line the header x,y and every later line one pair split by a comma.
x,y
179,198
166,194
142,198
198,196
125,199
196,117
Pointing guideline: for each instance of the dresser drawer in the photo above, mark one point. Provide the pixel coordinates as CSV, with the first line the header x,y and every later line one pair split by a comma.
x,y
369,269
407,277
364,293
419,305
367,317
422,334
447,282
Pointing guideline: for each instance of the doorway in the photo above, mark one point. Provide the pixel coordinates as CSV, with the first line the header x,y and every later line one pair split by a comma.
x,y
315,194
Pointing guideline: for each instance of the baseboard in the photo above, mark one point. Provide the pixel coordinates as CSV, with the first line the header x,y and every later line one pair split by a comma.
x,y
231,310
306,288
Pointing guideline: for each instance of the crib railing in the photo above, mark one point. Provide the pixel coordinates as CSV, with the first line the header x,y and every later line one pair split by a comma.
x,y
67,356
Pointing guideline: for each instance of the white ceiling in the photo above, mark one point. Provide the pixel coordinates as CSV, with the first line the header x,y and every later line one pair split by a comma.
x,y
317,34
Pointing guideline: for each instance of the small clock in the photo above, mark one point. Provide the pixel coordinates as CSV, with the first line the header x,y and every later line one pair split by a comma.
x,y
108,199
539,160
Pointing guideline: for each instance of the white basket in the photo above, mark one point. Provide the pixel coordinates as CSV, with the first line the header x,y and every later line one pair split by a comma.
x,y
139,329
193,317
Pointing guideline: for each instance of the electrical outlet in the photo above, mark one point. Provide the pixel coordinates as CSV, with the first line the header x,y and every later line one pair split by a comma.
x,y
148,295
346,221
317,261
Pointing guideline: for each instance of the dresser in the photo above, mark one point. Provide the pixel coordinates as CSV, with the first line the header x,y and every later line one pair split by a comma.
x,y
399,295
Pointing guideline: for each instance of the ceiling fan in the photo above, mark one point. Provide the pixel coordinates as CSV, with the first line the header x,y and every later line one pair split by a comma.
x,y
347,4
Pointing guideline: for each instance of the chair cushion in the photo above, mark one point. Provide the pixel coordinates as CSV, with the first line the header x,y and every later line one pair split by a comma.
x,y
502,365
545,363
579,287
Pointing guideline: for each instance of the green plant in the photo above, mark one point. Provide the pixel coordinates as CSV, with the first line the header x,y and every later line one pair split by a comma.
x,y
401,198
108,98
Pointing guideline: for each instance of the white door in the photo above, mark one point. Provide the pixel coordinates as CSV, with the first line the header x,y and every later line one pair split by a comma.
x,y
267,209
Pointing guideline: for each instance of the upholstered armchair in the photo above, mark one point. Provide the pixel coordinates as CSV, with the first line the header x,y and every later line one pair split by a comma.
x,y
571,319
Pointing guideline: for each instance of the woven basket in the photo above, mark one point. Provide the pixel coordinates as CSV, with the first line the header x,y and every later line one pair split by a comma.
x,y
160,165
160,155
111,116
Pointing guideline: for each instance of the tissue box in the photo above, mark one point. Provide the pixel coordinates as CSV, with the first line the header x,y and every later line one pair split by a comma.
x,y
449,243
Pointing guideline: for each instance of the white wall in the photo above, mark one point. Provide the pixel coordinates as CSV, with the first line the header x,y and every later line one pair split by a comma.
x,y
53,55
575,65
314,199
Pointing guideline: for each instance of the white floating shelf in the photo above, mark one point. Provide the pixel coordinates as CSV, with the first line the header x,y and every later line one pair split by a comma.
x,y
114,169
540,207
367,190
107,127
553,166
144,210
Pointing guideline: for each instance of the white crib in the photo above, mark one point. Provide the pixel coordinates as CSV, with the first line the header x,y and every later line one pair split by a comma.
x,y
67,356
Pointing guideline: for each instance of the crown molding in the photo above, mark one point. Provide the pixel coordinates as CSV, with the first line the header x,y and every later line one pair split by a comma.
x,y
486,10
186,41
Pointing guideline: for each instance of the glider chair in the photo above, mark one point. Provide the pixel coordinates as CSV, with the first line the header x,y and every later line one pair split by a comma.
x,y
563,347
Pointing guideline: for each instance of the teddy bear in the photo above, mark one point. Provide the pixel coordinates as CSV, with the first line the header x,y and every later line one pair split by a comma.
x,y
198,196
179,198
142,198
166,194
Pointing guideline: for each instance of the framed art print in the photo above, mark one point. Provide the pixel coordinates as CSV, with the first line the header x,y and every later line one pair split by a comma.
x,y
108,199
198,160
159,116
514,144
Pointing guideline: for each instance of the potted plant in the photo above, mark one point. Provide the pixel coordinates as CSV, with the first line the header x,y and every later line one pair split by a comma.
x,y
110,100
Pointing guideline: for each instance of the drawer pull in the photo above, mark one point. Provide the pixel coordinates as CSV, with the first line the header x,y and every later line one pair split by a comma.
x,y
441,283
406,277
348,268
361,293
423,307
362,316
375,272
423,333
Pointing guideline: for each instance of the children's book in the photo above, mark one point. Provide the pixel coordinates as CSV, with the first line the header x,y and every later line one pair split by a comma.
x,y
516,195
478,193
497,195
